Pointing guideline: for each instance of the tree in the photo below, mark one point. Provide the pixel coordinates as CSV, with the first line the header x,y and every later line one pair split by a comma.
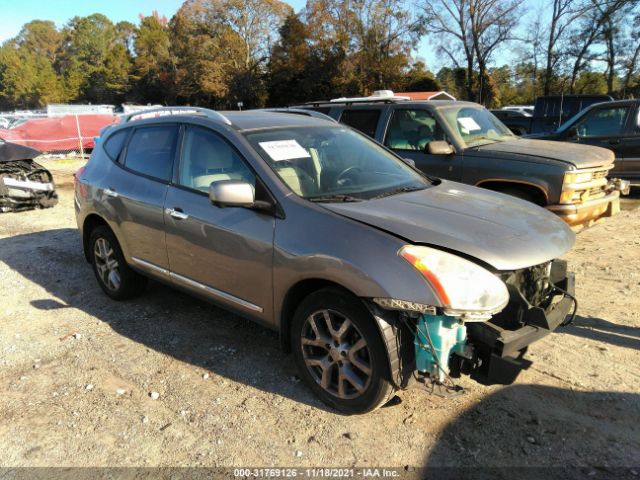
x,y
596,24
419,79
288,75
564,14
41,38
153,62
480,27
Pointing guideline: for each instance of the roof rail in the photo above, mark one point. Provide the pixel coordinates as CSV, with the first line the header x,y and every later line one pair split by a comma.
x,y
160,112
300,111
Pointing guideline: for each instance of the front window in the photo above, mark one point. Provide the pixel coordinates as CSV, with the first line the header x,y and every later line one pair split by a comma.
x,y
603,122
334,163
476,126
412,129
207,158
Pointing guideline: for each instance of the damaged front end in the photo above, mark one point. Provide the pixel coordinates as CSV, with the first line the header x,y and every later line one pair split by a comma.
x,y
438,345
24,184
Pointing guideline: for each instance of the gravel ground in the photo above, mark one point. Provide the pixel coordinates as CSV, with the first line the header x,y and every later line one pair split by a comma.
x,y
167,380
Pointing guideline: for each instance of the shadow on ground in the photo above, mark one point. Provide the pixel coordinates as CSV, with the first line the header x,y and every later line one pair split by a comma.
x,y
554,433
604,331
163,319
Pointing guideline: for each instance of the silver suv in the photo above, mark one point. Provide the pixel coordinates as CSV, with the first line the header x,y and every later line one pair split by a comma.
x,y
377,277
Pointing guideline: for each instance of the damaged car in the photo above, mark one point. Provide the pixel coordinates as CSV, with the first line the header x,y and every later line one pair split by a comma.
x,y
24,184
377,277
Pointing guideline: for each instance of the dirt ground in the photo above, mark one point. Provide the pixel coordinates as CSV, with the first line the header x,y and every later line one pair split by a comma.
x,y
78,369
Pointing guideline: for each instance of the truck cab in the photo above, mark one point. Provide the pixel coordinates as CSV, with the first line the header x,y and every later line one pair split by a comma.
x,y
463,141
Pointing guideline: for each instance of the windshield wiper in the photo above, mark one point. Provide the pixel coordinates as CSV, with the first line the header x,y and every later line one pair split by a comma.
x,y
399,190
334,198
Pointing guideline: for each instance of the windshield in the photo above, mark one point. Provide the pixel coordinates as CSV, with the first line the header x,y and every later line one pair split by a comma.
x,y
476,126
334,163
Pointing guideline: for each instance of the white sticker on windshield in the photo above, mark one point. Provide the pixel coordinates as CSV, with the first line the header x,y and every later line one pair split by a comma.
x,y
469,124
284,150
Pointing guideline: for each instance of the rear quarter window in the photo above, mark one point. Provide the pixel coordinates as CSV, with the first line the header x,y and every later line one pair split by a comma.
x,y
364,120
113,145
151,151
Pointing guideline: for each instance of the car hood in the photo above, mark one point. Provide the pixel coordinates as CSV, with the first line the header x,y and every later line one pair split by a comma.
x,y
10,152
504,232
581,156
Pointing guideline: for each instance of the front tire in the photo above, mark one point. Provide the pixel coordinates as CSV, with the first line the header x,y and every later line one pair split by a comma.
x,y
339,352
114,276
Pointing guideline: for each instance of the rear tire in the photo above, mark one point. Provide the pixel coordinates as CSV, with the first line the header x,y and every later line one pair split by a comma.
x,y
114,276
339,352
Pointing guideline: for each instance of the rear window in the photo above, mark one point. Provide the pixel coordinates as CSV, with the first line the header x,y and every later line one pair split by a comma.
x,y
151,151
113,145
364,120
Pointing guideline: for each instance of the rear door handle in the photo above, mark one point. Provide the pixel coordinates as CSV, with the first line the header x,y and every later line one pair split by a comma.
x,y
176,213
614,142
111,193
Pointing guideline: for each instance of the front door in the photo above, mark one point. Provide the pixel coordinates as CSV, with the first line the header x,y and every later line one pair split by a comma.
x,y
630,148
225,254
409,133
605,127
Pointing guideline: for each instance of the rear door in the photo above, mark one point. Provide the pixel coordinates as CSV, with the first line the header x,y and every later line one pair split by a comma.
x,y
409,133
363,118
225,254
137,191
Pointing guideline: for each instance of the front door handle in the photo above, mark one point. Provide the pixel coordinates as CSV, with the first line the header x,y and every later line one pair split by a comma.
x,y
176,213
111,193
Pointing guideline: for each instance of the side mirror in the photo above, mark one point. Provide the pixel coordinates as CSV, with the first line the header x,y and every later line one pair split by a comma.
x,y
572,132
232,193
410,161
439,147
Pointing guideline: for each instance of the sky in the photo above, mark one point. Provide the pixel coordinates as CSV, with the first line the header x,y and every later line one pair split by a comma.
x,y
16,13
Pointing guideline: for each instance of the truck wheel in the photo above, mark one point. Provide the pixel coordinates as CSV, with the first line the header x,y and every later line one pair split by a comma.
x,y
339,352
114,276
519,193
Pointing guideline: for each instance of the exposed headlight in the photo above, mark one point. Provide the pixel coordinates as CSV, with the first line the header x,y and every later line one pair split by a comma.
x,y
577,177
465,289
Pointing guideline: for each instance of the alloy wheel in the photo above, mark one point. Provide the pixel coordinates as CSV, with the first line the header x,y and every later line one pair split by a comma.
x,y
336,354
106,263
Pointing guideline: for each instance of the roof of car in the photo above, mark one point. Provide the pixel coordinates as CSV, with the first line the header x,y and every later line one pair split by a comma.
x,y
258,119
241,120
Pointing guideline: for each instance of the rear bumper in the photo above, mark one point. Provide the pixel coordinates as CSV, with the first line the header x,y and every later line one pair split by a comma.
x,y
590,211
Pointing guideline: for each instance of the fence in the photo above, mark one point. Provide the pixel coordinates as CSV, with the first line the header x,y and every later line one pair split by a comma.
x,y
67,135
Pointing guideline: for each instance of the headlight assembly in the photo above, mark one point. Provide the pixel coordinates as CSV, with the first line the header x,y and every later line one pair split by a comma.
x,y
464,289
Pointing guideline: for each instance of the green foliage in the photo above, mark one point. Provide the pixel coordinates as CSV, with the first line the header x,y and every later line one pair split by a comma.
x,y
220,52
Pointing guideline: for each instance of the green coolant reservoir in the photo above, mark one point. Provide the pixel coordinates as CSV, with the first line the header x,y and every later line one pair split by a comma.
x,y
447,336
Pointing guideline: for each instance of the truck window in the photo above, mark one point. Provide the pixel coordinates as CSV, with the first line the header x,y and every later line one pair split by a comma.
x,y
412,130
604,121
364,120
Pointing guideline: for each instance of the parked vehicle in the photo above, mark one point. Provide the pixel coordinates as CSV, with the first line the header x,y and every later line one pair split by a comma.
x,y
463,141
526,110
375,275
517,122
550,112
612,125
24,184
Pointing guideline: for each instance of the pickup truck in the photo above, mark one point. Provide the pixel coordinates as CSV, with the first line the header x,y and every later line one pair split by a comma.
x,y
550,112
463,141
612,125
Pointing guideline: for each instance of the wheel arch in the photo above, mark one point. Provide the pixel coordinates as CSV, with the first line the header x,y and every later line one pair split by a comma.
x,y
539,193
384,320
294,296
91,222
